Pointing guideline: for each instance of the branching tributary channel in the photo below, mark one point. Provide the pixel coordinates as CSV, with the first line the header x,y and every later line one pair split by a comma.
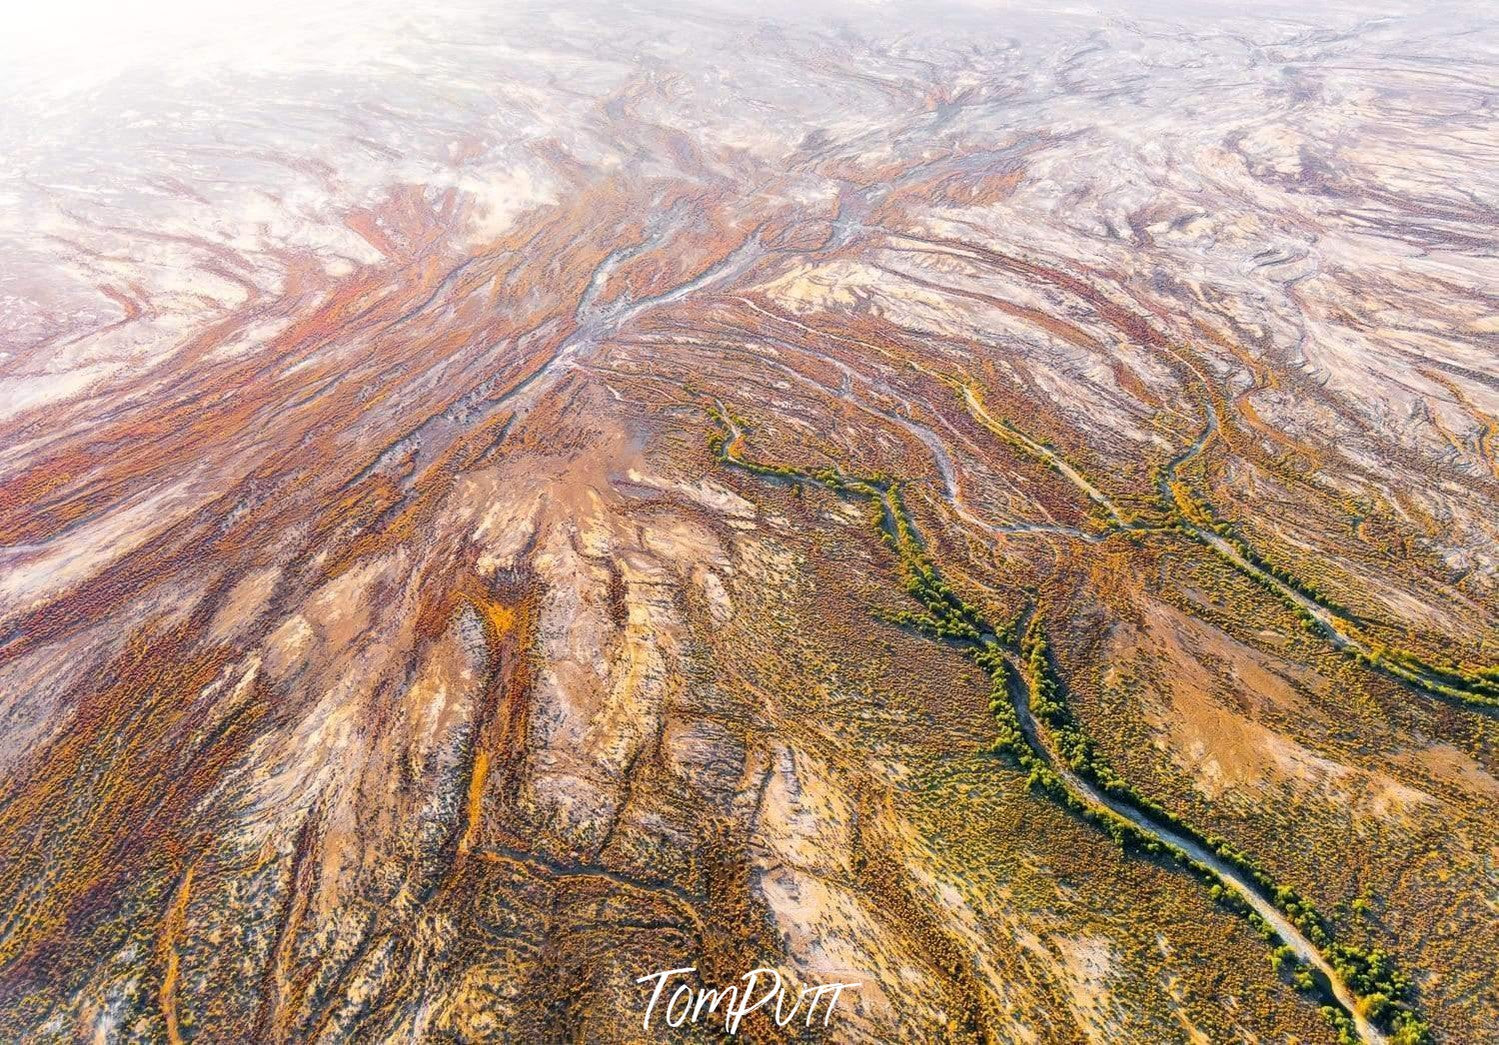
x,y
1038,742
1196,518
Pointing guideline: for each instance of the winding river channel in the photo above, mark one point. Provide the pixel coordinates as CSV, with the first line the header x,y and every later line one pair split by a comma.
x,y
1040,741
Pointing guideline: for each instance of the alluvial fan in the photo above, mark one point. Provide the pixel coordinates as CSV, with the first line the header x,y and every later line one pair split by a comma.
x,y
995,508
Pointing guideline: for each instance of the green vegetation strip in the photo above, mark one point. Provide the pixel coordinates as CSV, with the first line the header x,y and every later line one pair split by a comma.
x,y
1194,516
1383,993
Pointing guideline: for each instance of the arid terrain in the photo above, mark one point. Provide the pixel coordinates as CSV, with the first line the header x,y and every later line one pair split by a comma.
x,y
996,505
